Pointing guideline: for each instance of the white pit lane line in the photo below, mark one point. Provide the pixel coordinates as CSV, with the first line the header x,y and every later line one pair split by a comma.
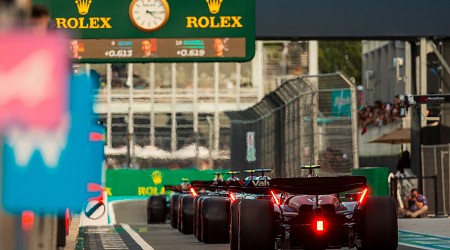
x,y
141,242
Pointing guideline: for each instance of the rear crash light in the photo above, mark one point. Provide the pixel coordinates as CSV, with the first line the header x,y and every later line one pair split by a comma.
x,y
193,192
319,225
363,195
275,198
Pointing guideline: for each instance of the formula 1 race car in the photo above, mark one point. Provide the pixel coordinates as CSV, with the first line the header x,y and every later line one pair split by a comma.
x,y
159,206
310,213
190,214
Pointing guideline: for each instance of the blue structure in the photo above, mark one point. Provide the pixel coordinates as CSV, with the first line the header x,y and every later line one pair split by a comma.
x,y
42,187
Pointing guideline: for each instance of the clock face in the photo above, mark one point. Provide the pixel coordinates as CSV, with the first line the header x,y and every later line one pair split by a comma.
x,y
149,15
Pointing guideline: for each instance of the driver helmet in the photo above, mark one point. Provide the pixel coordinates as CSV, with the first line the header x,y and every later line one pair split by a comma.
x,y
184,184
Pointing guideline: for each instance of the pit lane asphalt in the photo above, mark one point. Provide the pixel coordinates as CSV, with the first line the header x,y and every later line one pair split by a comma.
x,y
163,236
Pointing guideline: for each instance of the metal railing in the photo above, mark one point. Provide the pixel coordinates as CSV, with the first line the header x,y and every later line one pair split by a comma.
x,y
182,95
435,161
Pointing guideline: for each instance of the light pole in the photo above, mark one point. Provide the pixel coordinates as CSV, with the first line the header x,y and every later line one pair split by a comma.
x,y
210,140
197,158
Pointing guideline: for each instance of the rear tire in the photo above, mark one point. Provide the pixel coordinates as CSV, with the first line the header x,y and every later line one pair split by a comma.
x,y
256,225
234,225
198,218
379,223
215,220
196,208
186,214
174,210
179,212
156,209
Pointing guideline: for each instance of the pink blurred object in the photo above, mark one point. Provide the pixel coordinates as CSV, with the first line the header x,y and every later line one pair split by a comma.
x,y
34,72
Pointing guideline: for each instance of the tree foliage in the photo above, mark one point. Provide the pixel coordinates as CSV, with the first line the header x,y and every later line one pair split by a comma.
x,y
344,56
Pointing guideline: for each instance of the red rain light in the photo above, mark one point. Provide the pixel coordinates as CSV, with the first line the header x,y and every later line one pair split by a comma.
x,y
27,220
363,195
275,197
193,192
319,225
232,197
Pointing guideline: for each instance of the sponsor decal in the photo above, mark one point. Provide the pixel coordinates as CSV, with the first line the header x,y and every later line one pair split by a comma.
x,y
257,183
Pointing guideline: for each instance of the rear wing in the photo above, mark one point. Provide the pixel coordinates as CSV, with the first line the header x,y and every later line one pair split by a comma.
x,y
318,185
251,186
174,188
209,185
312,186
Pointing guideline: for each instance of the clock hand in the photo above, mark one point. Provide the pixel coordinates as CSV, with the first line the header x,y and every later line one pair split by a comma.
x,y
149,12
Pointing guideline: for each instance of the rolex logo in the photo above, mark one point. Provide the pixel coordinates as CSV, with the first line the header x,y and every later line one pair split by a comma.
x,y
83,6
214,6
157,177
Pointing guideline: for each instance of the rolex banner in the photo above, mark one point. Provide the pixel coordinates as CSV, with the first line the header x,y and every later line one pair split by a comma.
x,y
131,182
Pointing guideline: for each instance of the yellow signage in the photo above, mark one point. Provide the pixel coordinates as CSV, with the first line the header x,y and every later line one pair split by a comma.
x,y
214,6
83,6
108,191
81,22
149,190
211,21
157,177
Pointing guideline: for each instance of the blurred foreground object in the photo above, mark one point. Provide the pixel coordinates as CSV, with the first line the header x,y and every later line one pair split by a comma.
x,y
46,125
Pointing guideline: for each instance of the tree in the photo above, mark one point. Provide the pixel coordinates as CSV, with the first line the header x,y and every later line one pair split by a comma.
x,y
344,56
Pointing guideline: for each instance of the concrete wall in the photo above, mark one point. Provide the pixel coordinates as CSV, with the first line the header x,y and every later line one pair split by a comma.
x,y
378,154
378,70
378,149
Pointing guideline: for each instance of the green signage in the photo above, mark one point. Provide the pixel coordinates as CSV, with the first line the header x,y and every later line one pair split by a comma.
x,y
131,182
158,30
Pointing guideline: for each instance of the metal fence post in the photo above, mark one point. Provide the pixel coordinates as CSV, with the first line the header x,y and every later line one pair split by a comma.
x,y
435,195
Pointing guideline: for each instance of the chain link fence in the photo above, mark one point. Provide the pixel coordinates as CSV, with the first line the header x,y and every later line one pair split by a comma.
x,y
306,120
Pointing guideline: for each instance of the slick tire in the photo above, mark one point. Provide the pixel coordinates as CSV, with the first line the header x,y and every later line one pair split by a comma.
x,y
198,218
234,225
196,205
215,220
174,210
156,209
379,223
186,213
179,211
256,225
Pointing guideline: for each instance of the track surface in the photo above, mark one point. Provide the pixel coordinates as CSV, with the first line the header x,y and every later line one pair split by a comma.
x,y
158,236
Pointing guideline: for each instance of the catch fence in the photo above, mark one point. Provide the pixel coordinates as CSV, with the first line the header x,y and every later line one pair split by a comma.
x,y
306,120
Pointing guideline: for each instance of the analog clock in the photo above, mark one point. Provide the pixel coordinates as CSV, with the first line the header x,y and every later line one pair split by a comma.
x,y
149,15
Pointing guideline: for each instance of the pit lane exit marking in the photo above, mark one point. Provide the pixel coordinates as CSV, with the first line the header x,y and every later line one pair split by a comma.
x,y
424,241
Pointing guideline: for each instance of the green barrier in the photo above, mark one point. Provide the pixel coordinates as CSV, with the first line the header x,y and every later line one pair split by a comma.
x,y
131,182
377,179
